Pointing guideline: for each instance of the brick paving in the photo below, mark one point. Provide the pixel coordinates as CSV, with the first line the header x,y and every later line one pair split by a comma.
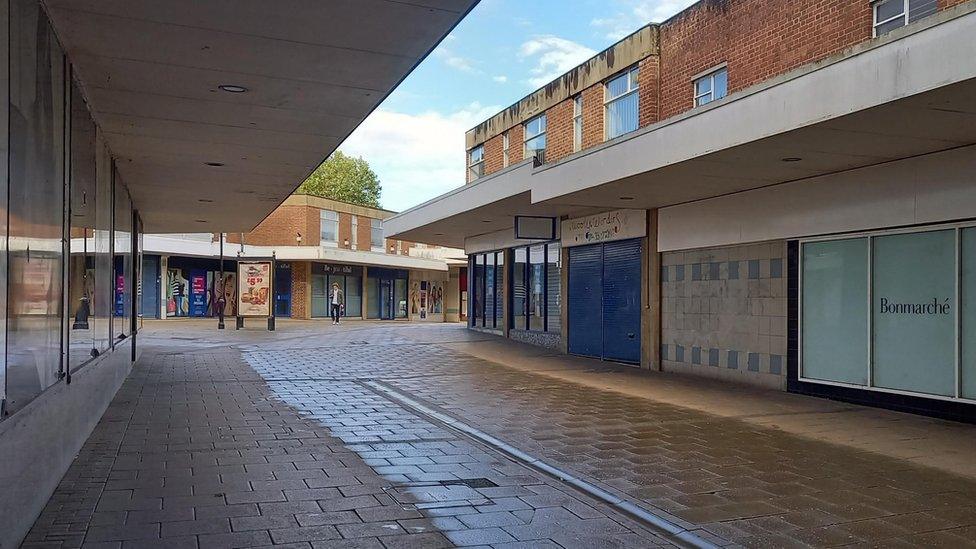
x,y
200,450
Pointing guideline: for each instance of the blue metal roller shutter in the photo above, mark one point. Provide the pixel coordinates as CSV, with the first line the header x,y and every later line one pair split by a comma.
x,y
585,305
622,301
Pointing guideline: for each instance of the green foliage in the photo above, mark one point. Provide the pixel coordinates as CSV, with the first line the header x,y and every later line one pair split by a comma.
x,y
342,177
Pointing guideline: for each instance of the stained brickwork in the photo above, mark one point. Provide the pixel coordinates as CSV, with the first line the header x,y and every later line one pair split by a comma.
x,y
282,226
559,131
756,39
723,313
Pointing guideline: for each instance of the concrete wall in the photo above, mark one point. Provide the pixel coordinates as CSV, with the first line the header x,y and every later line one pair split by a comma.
x,y
723,313
927,189
39,442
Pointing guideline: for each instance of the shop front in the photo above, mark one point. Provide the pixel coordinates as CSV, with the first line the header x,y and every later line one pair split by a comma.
x,y
887,316
427,296
349,279
192,284
604,293
386,291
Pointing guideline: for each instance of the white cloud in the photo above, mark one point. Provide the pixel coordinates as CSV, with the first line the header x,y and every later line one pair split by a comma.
x,y
445,52
417,157
634,14
553,56
501,79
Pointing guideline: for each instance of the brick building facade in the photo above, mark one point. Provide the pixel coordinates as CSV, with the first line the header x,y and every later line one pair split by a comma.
x,y
754,40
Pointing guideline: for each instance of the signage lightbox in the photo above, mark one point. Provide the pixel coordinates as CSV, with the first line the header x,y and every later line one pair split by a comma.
x,y
254,288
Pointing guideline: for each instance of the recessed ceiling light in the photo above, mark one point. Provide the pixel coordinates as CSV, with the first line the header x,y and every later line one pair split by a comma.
x,y
201,220
438,234
486,221
214,164
204,200
626,198
232,88
792,159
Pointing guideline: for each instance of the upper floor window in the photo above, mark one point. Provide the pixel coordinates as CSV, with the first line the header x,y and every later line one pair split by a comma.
x,y
376,234
577,123
535,138
621,103
328,228
505,145
712,86
476,162
891,14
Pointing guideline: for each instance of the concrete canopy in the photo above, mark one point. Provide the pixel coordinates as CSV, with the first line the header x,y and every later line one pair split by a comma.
x,y
313,70
910,93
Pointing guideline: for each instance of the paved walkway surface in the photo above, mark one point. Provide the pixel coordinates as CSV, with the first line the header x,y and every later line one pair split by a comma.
x,y
250,438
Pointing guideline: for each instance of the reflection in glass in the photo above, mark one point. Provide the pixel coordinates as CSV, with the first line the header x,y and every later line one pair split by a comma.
x,y
537,266
81,261
553,277
101,320
519,297
499,291
123,261
36,205
835,318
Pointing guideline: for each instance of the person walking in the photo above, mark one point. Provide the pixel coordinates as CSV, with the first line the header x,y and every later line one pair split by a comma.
x,y
337,301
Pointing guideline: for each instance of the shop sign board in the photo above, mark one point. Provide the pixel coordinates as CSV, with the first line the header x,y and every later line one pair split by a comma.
x,y
198,292
336,269
604,227
254,288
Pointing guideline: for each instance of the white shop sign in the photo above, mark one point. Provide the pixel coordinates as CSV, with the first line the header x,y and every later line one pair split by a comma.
x,y
604,227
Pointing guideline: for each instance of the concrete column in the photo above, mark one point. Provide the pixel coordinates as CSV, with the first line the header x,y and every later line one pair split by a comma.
x,y
651,297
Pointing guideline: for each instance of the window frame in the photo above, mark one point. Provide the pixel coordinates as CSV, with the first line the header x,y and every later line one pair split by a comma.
x,y
632,75
577,122
525,275
476,168
373,225
710,75
322,219
874,15
541,134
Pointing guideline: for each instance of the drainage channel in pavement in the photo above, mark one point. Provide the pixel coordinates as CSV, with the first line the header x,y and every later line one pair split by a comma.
x,y
661,525
470,491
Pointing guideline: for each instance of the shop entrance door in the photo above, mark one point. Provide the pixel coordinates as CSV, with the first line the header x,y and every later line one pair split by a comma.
x,y
605,301
387,309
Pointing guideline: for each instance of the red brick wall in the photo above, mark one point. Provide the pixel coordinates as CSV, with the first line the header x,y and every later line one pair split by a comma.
x,y
300,288
516,137
592,116
648,79
758,39
559,130
281,227
493,155
944,4
363,233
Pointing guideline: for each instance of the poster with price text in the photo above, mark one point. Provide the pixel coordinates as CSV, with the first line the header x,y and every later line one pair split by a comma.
x,y
254,288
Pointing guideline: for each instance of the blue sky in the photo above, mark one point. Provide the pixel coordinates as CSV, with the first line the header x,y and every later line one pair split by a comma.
x,y
501,51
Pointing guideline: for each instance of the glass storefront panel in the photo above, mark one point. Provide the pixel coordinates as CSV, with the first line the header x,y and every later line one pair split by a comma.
x,y
479,290
967,319
400,297
536,287
372,297
490,290
123,261
320,296
519,290
83,207
36,205
914,301
104,272
553,284
499,289
835,323
354,297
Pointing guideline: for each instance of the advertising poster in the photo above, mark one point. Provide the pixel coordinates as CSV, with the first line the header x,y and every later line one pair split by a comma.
x,y
119,294
254,288
198,293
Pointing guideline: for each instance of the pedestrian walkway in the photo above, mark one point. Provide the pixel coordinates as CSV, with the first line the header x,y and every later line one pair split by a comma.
x,y
307,437
199,450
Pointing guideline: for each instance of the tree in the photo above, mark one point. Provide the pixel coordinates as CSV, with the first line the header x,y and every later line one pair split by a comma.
x,y
342,177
